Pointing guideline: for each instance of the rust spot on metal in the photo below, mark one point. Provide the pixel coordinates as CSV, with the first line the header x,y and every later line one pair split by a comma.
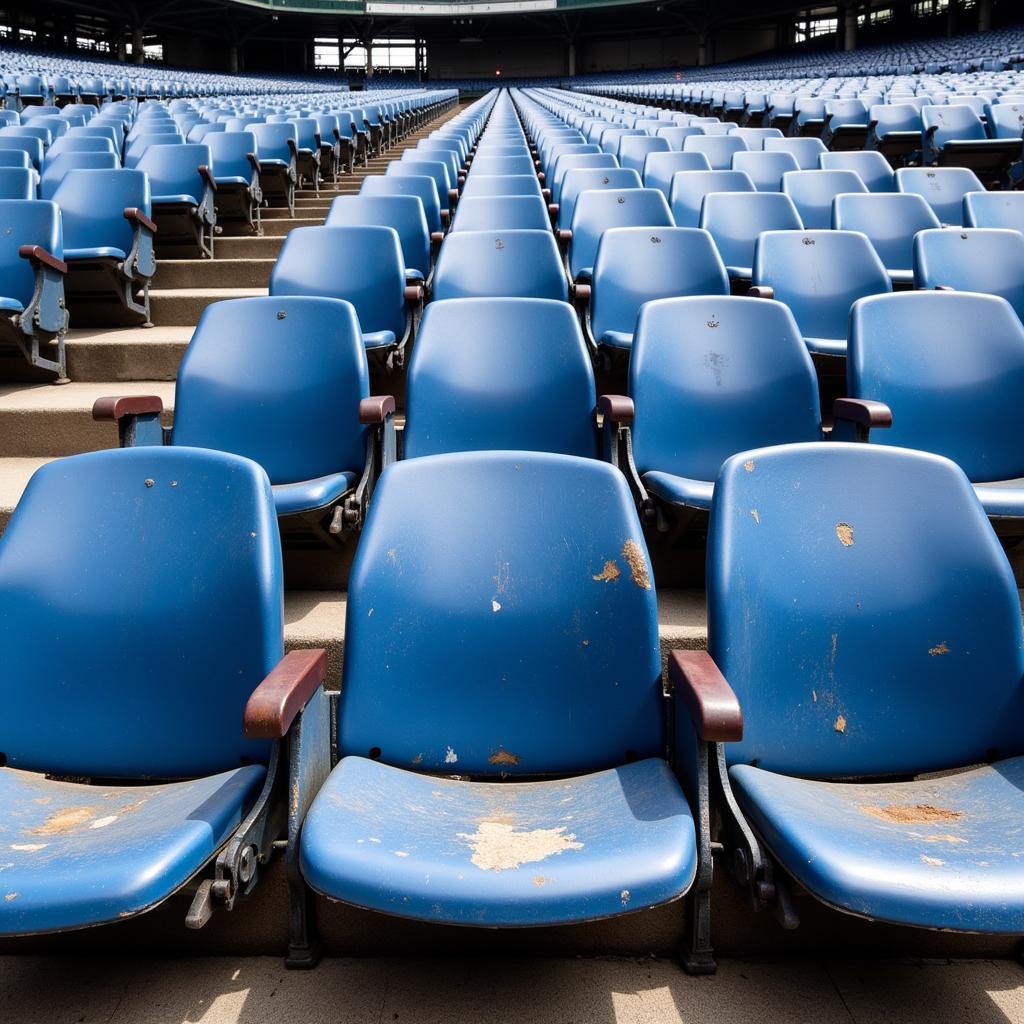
x,y
637,563
609,573
840,724
938,649
912,814
65,820
503,757
844,531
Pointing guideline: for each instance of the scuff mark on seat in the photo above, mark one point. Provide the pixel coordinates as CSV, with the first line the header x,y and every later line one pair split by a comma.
x,y
609,573
844,531
499,847
637,563
503,757
938,649
911,814
65,820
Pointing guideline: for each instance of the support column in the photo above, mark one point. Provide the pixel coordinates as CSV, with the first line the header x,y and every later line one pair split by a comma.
x,y
571,58
138,52
702,49
233,62
368,45
984,15
850,27
951,18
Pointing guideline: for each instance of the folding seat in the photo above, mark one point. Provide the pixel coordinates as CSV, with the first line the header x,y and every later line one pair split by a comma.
x,y
890,221
9,117
277,150
501,185
943,188
955,137
690,187
183,196
78,144
872,168
630,830
420,186
805,151
99,131
307,155
819,275
511,263
56,167
363,265
353,141
567,162
635,266
994,210
634,150
600,209
687,413
986,260
713,126
445,156
780,111
32,308
676,135
610,137
127,776
496,374
446,149
660,168
504,165
808,116
583,179
17,183
30,146
499,213
812,193
719,149
32,91
735,220
56,126
754,137
299,353
403,213
1005,120
846,124
236,168
765,170
108,245
436,169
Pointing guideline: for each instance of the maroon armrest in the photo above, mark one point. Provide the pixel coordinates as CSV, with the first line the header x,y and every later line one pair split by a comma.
x,y
944,288
445,216
761,291
133,213
37,254
376,408
546,193
863,412
564,236
713,706
582,293
436,237
413,294
453,196
541,176
553,210
253,161
616,408
114,407
204,173
274,704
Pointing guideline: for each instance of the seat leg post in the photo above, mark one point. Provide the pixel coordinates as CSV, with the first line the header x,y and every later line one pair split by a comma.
x,y
304,944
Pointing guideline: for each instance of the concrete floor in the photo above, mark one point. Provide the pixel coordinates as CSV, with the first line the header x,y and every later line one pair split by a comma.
x,y
34,990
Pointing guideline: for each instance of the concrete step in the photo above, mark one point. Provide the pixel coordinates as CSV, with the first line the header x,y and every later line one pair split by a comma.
x,y
280,227
274,214
183,306
126,354
236,247
53,420
218,273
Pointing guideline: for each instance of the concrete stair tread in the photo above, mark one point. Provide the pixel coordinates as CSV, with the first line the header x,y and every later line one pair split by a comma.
x,y
127,335
78,395
214,293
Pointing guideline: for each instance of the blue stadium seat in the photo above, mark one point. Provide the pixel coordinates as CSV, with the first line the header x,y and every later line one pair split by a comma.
x,y
870,166
955,137
298,353
503,165
910,351
943,188
17,183
583,179
659,168
858,728
812,193
501,185
631,829
819,275
719,149
748,394
676,135
846,124
994,210
500,374
598,210
108,809
514,263
499,213
108,245
765,169
362,265
15,158
754,137
690,187
895,131
236,172
735,220
890,222
421,186
307,158
808,117
277,150
183,195
986,260
403,213
32,147
32,270
137,147
447,194
805,151
56,167
79,144
634,150
636,265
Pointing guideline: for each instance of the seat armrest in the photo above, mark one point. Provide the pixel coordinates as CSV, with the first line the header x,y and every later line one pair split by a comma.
x,y
564,237
944,288
204,173
436,237
376,408
855,417
273,705
709,699
445,217
116,407
135,215
413,295
553,211
37,254
254,163
761,291
616,408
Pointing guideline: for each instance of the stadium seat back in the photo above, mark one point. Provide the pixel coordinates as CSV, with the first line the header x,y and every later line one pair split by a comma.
x,y
690,187
736,219
868,164
403,213
58,166
812,193
890,222
92,203
26,222
17,183
174,171
499,213
634,150
765,169
584,179
994,210
719,149
805,150
944,188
